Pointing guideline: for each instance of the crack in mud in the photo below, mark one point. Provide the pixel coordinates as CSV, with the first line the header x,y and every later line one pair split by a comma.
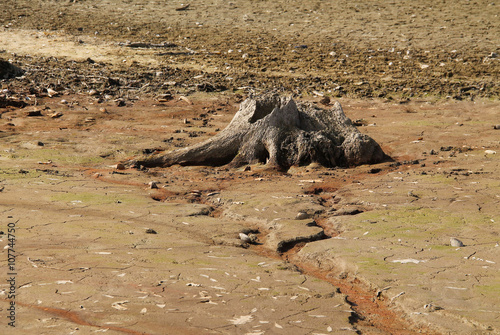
x,y
297,243
369,309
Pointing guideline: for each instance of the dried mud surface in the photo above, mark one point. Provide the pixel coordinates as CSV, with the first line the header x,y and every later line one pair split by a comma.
x,y
354,48
101,250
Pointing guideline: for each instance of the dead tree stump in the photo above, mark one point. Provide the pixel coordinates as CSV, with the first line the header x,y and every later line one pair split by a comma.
x,y
276,131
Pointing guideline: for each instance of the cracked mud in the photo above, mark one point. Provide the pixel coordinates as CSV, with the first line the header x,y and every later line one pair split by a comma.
x,y
367,250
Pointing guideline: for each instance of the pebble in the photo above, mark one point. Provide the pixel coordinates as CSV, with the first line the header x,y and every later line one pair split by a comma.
x,y
497,126
120,166
165,97
454,242
120,102
51,93
245,238
432,308
153,184
302,216
55,115
325,101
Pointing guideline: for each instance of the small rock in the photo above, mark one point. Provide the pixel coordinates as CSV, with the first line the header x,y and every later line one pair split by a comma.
x,y
490,152
253,238
433,152
250,238
245,238
89,119
93,92
302,216
325,101
120,102
411,194
183,98
153,184
8,70
454,242
182,7
56,115
151,231
165,97
196,193
51,93
432,308
120,166
497,126
103,110
360,122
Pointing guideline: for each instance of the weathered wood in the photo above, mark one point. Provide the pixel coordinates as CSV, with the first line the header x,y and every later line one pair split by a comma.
x,y
277,131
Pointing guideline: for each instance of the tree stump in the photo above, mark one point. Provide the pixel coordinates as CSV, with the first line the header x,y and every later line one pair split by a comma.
x,y
281,133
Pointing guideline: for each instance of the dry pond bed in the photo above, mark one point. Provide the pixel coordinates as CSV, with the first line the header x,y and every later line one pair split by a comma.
x,y
402,247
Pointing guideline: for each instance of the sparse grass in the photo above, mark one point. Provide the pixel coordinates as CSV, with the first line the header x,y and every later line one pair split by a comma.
x,y
373,264
426,123
58,156
18,173
490,290
86,198
409,222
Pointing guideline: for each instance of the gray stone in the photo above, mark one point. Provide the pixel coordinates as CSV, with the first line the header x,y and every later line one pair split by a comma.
x,y
8,70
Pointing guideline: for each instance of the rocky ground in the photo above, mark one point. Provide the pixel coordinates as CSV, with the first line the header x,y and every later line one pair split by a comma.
x,y
364,250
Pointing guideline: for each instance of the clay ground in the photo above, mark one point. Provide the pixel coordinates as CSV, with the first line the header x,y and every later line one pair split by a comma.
x,y
99,250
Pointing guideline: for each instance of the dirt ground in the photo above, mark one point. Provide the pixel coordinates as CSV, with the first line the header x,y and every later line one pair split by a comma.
x,y
98,249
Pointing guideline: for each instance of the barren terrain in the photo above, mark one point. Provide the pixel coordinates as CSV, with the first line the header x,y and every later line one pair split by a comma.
x,y
362,250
